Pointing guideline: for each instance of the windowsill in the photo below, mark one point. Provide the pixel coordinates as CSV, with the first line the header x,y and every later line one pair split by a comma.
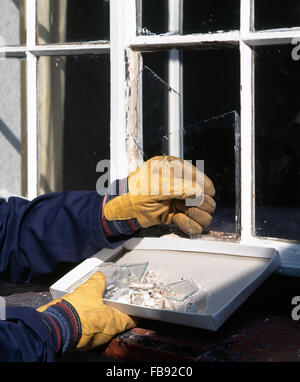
x,y
171,230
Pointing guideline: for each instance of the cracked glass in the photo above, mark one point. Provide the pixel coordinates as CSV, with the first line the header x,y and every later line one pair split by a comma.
x,y
210,126
270,14
187,16
156,97
277,136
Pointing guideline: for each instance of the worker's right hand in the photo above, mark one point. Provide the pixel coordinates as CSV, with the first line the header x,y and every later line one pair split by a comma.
x,y
81,320
157,193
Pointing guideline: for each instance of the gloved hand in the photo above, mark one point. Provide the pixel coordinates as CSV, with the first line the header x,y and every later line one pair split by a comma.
x,y
156,193
81,320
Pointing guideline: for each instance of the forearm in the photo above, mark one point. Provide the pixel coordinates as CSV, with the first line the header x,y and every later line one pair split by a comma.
x,y
60,227
24,336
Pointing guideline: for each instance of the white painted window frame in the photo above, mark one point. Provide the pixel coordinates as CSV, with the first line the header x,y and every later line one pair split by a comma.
x,y
245,39
123,26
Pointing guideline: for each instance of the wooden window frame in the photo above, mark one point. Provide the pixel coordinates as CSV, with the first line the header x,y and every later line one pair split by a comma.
x,y
126,48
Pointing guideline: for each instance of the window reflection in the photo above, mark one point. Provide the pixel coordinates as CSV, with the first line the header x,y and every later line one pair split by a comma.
x,y
13,138
12,23
61,21
74,119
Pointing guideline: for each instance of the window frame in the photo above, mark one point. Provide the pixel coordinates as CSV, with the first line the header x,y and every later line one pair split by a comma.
x,y
126,48
246,38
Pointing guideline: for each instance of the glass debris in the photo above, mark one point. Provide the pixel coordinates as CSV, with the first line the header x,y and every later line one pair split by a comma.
x,y
136,271
180,290
150,290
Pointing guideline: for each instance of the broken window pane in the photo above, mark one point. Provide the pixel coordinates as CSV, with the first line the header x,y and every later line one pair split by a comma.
x,y
155,104
61,21
74,120
188,16
216,141
211,90
13,138
270,14
211,104
277,128
12,22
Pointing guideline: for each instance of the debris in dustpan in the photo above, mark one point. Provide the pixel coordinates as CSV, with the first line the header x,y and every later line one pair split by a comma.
x,y
180,290
150,290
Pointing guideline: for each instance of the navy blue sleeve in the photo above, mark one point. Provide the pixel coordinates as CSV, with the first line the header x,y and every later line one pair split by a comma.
x,y
37,235
24,337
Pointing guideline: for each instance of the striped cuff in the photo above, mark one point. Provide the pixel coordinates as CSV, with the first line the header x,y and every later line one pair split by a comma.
x,y
64,323
118,227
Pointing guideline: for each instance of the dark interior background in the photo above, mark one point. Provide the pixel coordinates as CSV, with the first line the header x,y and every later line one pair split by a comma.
x,y
271,14
277,137
211,83
87,20
198,16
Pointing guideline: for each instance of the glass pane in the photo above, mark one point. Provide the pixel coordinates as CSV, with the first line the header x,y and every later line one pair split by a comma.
x,y
277,137
13,157
74,120
211,91
270,14
12,23
155,104
211,104
61,21
188,16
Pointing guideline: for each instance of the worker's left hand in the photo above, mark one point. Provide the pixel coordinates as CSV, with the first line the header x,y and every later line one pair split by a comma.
x,y
81,320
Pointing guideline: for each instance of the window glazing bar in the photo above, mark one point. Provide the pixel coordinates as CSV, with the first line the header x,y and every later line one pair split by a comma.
x,y
166,41
32,129
175,102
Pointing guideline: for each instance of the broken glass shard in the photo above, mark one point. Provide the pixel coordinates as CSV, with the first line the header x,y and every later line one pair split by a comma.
x,y
196,303
137,271
180,290
152,292
113,273
217,142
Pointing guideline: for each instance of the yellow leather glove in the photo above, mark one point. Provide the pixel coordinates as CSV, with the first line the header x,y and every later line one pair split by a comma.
x,y
81,320
157,192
